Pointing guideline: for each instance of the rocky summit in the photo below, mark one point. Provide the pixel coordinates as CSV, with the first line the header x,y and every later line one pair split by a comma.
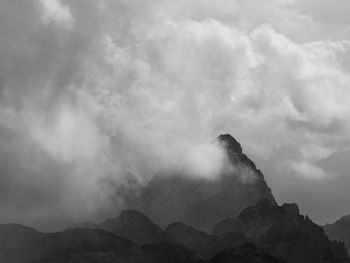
x,y
199,202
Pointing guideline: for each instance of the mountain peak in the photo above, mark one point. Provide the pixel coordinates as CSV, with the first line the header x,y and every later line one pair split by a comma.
x,y
231,145
202,203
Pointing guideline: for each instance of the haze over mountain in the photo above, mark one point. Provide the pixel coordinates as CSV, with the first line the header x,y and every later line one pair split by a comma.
x,y
247,225
202,202
110,119
98,95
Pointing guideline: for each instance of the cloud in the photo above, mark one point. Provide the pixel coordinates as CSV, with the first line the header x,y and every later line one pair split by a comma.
x,y
105,91
55,11
308,170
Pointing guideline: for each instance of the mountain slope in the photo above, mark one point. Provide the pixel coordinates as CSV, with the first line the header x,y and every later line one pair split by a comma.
x,y
284,233
132,225
201,203
135,226
205,245
20,244
340,231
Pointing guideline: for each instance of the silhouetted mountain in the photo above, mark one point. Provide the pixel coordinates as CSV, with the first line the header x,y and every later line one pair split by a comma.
x,y
19,244
284,233
168,252
135,226
199,202
132,225
262,233
340,231
23,244
204,244
246,253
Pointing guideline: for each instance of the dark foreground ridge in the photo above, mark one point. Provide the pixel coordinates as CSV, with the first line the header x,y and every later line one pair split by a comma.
x,y
172,196
19,244
265,233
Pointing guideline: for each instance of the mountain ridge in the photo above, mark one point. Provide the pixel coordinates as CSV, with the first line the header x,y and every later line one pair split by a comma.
x,y
284,233
202,203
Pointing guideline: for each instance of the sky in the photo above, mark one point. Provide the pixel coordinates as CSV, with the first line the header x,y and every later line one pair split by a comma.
x,y
96,94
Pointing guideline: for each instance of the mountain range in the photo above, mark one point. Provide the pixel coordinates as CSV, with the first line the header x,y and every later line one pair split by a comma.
x,y
176,218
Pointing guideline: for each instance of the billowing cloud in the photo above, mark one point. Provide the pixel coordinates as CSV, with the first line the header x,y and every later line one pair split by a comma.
x,y
93,94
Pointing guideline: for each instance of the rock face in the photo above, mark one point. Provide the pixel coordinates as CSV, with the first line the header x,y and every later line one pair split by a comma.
x,y
340,231
284,233
202,203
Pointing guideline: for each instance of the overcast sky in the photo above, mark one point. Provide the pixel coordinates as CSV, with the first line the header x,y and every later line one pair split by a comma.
x,y
93,93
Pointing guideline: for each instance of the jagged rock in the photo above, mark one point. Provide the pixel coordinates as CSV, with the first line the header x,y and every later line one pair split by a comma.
x,y
199,202
340,231
232,146
281,231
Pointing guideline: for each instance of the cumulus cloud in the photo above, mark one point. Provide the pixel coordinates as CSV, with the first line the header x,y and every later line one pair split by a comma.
x,y
105,91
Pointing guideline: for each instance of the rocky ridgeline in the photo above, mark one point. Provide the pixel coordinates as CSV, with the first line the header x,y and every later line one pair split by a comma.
x,y
284,233
202,203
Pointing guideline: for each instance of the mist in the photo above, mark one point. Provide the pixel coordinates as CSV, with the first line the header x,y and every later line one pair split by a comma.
x,y
95,94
